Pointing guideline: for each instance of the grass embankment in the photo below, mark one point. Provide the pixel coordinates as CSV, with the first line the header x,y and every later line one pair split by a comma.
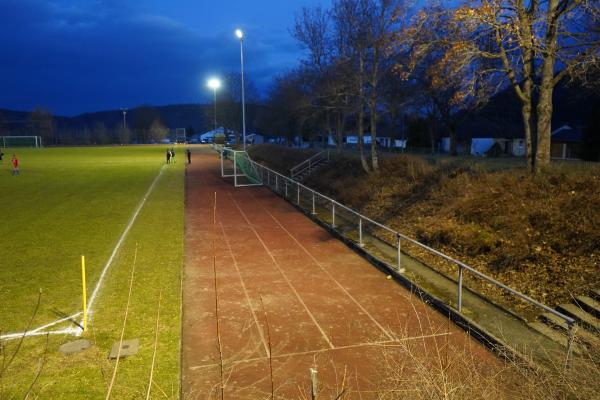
x,y
538,234
69,202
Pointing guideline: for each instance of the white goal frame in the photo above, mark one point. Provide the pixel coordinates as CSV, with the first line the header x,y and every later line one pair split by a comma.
x,y
37,140
180,134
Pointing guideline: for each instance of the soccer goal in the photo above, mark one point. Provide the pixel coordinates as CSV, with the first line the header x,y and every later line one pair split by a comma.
x,y
20,141
237,165
180,135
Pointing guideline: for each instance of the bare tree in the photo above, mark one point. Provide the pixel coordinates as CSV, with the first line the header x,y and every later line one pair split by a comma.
x,y
123,135
41,123
157,131
430,62
533,45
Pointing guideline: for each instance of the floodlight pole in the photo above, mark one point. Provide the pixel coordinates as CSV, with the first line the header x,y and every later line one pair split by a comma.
x,y
124,121
241,37
215,105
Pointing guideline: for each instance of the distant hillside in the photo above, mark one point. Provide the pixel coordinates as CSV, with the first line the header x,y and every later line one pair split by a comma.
x,y
172,116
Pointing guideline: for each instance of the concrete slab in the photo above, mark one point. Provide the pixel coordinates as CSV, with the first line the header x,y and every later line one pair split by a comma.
x,y
588,304
587,320
554,334
128,348
75,346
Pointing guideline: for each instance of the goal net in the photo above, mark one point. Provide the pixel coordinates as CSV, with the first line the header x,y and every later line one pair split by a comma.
x,y
180,135
20,141
236,164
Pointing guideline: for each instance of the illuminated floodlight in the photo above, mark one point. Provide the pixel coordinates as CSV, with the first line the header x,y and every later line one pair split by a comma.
x,y
214,83
239,33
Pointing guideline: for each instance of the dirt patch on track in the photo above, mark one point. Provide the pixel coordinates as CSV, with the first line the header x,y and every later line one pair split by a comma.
x,y
327,308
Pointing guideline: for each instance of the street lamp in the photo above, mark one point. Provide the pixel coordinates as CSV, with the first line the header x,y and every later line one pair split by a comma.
x,y
214,84
124,110
240,36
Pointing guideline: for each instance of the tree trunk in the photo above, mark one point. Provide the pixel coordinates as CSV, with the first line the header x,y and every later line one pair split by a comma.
x,y
528,129
361,111
544,106
453,145
373,109
544,120
340,133
373,121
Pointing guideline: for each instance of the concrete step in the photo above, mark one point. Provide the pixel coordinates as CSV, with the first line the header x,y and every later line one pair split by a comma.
x,y
587,320
595,294
581,335
554,321
589,305
554,334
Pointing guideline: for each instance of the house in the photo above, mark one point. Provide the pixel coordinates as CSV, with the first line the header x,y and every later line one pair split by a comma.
x,y
566,143
385,139
480,136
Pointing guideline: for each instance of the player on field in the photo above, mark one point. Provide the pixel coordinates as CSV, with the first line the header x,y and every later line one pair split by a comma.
x,y
15,163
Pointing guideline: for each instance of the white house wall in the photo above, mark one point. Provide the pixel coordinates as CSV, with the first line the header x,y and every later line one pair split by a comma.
x,y
480,145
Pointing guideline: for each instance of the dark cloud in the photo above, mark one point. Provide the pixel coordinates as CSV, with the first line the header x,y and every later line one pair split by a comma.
x,y
76,56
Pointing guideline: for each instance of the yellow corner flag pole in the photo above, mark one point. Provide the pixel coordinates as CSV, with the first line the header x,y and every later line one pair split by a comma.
x,y
84,293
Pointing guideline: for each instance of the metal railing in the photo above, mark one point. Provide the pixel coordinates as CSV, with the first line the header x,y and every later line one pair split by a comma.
x,y
314,201
309,164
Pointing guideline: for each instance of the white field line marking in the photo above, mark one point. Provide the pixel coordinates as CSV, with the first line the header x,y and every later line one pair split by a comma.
x,y
120,242
328,273
39,330
245,290
312,317
384,343
67,331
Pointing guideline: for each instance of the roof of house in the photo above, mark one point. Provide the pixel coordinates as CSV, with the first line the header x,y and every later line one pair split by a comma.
x,y
566,134
480,127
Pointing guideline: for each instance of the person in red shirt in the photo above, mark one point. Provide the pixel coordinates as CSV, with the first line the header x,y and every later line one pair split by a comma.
x,y
15,163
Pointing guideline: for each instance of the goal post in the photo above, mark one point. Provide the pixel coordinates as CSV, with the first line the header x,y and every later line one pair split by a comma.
x,y
20,141
180,135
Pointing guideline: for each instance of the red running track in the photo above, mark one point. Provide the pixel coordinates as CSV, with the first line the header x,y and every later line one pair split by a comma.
x,y
287,288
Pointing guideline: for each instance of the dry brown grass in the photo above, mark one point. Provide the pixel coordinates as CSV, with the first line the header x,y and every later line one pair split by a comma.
x,y
538,234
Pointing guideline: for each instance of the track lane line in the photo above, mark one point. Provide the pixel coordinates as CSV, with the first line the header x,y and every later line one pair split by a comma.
x,y
312,317
383,343
314,259
262,337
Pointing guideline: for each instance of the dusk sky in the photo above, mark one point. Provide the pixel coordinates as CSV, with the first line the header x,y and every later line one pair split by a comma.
x,y
90,55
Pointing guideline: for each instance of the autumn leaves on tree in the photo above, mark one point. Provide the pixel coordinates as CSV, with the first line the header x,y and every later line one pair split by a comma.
x,y
367,59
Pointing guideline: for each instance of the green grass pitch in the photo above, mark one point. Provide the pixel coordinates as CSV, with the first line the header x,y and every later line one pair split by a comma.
x,y
69,202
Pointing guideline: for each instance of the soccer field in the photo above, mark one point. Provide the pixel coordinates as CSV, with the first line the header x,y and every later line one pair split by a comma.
x,y
67,202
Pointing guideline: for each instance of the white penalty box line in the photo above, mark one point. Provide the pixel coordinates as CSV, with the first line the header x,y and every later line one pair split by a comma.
x,y
79,330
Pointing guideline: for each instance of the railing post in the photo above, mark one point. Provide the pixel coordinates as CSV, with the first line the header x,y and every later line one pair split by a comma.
x,y
570,340
222,168
460,285
286,191
234,170
298,194
399,248
309,165
332,214
276,183
360,233
314,210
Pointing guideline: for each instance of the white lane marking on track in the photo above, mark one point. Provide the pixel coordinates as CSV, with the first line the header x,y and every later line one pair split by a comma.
x,y
384,343
390,336
245,290
312,317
